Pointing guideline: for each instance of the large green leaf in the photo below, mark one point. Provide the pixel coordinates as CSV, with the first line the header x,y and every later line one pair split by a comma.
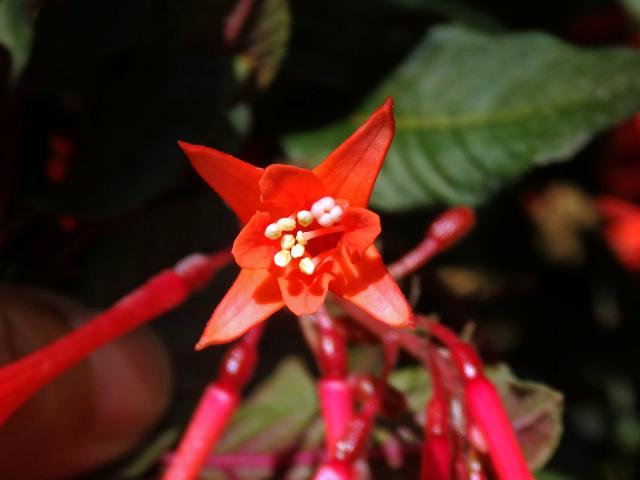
x,y
475,111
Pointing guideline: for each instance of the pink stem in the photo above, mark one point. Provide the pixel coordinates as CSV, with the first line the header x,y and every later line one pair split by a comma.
x,y
485,408
335,470
166,290
336,402
214,411
336,405
216,407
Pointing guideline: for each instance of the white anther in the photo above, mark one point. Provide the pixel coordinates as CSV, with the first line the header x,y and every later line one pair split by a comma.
x,y
307,266
336,213
305,218
272,231
287,241
317,209
326,220
297,250
282,258
287,224
300,238
327,203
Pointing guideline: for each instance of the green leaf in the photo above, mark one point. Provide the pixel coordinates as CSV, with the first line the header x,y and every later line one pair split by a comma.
x,y
15,33
475,111
535,410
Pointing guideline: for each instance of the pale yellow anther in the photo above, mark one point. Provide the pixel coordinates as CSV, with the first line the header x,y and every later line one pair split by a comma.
x,y
300,238
286,224
297,251
287,241
307,266
305,218
282,258
272,231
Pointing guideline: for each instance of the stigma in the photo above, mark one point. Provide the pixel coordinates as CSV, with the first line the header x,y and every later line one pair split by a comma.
x,y
325,212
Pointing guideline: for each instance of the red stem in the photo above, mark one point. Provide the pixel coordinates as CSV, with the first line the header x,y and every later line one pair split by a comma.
x,y
445,230
166,290
216,407
336,402
485,408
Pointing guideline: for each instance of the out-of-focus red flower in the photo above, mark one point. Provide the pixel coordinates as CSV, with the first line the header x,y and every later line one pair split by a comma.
x,y
305,232
622,231
61,150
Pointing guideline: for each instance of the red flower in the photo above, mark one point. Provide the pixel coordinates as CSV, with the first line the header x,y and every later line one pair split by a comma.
x,y
305,232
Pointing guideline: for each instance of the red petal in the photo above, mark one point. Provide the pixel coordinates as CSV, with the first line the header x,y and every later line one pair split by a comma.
x,y
253,297
368,285
303,293
350,171
362,227
251,248
290,188
234,180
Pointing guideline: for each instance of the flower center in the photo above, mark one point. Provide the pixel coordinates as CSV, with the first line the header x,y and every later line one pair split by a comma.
x,y
326,213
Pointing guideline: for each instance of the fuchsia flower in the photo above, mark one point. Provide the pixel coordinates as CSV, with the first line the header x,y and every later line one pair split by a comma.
x,y
306,232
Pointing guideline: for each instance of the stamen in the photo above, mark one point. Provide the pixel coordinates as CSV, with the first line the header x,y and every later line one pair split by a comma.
x,y
282,258
325,220
327,203
287,241
307,266
305,218
286,224
336,213
300,238
322,231
317,209
272,231
297,251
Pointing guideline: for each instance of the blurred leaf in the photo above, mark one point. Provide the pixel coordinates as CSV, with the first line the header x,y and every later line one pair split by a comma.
x,y
15,33
266,40
276,414
535,410
475,111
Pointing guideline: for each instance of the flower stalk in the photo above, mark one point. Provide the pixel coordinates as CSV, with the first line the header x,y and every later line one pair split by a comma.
x,y
215,409
163,292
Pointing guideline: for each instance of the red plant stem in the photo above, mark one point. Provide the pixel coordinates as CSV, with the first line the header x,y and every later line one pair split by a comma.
x,y
437,453
335,470
336,402
446,230
485,408
216,407
166,290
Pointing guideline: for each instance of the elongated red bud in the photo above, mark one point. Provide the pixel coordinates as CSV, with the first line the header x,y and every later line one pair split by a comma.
x,y
451,226
436,449
332,353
